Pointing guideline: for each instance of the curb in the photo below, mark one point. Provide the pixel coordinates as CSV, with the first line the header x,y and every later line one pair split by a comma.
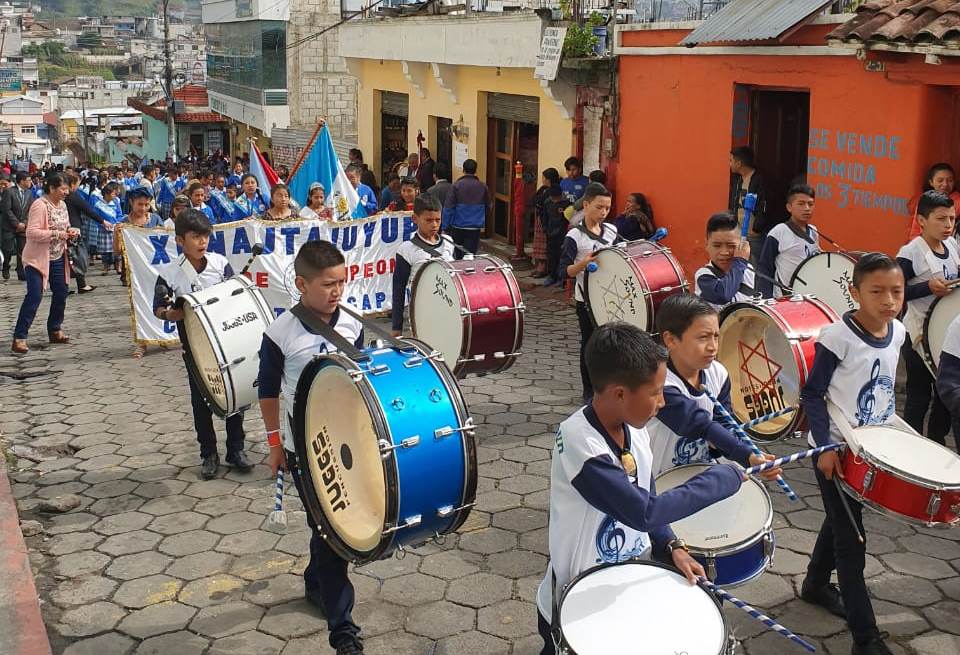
x,y
21,626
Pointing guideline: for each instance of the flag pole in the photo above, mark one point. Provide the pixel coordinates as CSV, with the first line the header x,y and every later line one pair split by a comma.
x,y
306,149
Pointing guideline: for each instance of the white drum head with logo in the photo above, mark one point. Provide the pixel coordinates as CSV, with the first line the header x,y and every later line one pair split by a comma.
x,y
614,291
828,276
636,608
909,453
941,315
201,349
435,311
736,520
346,458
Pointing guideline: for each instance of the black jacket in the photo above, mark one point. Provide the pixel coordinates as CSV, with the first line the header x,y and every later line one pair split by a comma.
x,y
77,207
759,222
12,213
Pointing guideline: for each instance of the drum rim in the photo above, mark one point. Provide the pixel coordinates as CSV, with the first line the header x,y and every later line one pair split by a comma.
x,y
314,507
633,561
865,455
897,516
739,547
925,343
647,298
466,333
843,254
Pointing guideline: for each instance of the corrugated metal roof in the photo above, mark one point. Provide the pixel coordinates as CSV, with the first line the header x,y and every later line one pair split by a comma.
x,y
754,20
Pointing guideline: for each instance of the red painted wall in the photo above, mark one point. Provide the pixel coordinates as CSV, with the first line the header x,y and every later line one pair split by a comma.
x,y
676,133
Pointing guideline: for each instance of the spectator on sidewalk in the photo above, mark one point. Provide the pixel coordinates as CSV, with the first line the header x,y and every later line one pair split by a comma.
x,y
465,212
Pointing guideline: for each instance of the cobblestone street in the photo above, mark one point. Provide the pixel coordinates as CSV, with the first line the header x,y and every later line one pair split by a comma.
x,y
156,561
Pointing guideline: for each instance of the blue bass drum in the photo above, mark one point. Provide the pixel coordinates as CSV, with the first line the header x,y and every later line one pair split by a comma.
x,y
386,450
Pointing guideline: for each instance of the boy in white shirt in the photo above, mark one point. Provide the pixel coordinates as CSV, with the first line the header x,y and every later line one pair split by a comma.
x,y
788,244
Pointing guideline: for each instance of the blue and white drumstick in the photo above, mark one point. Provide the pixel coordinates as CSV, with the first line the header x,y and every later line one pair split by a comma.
x,y
749,204
768,417
780,461
763,618
277,521
732,422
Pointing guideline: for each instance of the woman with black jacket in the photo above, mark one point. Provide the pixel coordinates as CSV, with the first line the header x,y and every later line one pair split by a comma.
x,y
77,208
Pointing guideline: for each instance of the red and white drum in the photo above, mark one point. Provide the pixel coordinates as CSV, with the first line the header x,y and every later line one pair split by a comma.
x,y
828,276
471,311
903,475
631,281
939,316
767,347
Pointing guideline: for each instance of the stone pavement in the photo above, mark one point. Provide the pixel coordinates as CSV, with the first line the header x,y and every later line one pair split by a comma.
x,y
155,561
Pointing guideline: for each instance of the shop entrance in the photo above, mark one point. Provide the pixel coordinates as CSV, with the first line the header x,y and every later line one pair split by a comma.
x,y
513,135
394,109
444,143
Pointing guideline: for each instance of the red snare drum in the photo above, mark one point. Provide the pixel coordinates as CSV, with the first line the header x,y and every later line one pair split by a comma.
x,y
767,347
903,475
469,310
630,282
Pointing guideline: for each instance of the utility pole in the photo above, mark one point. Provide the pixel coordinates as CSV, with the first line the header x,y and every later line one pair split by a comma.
x,y
82,97
168,81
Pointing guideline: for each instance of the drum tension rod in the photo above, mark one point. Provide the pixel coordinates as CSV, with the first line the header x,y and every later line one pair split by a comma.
x,y
418,360
482,311
446,431
446,511
503,309
387,448
238,360
409,522
503,355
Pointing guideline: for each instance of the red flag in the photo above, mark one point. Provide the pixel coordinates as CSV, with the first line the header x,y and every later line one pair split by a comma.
x,y
260,168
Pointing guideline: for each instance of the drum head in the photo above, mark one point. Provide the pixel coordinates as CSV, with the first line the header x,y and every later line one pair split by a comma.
x,y
941,314
828,276
615,293
345,474
735,521
435,311
640,607
915,456
206,365
764,375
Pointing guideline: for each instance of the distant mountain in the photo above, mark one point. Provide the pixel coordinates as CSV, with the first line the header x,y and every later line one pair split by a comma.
x,y
73,8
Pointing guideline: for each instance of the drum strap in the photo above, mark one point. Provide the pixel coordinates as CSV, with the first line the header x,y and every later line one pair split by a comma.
x,y
744,289
429,248
803,235
399,344
554,611
323,328
189,272
591,235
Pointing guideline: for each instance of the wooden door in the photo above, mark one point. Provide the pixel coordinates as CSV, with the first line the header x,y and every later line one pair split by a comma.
x,y
780,128
501,149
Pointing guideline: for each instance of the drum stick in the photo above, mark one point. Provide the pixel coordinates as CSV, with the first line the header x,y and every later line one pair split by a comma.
x,y
743,435
749,204
659,235
780,461
768,417
772,281
277,520
831,241
255,252
847,509
763,618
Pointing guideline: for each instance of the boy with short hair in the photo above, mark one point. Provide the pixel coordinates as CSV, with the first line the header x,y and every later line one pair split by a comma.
x,y
367,197
948,378
196,193
788,244
685,431
574,185
727,277
194,270
288,346
855,366
604,507
427,243
578,251
409,190
929,261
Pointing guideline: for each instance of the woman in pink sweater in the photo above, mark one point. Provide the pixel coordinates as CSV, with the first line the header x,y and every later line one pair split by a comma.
x,y
45,262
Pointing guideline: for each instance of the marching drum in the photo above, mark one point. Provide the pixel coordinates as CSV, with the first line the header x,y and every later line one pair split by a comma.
x,y
630,282
828,276
767,347
223,327
386,450
941,313
902,475
609,607
469,310
732,539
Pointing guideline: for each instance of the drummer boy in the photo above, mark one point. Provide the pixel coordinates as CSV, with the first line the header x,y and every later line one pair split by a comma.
x,y
727,277
288,346
855,367
788,244
427,243
684,430
194,270
603,504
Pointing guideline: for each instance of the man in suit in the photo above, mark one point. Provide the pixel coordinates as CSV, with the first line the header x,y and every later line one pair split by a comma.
x,y
14,207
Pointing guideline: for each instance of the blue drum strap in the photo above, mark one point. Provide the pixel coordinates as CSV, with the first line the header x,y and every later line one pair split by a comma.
x,y
323,328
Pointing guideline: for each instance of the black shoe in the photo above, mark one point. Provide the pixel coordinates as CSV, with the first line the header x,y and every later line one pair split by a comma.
x,y
875,646
353,646
208,470
86,290
828,597
239,461
6,275
71,292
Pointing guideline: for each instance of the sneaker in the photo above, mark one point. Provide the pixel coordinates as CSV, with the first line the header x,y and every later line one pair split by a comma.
x,y
208,470
875,646
353,646
828,597
239,461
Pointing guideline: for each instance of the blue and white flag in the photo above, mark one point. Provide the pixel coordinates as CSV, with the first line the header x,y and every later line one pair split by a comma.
x,y
320,164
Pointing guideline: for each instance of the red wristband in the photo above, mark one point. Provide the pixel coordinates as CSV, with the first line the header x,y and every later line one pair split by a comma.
x,y
273,438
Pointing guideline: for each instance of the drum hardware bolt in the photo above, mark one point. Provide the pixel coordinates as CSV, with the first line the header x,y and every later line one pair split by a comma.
x,y
379,369
446,430
237,292
711,569
469,270
238,360
413,361
868,479
435,395
387,448
768,546
503,355
934,505
410,522
355,375
398,404
210,301
444,512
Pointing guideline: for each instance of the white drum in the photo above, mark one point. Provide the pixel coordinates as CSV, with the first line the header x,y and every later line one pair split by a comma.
x,y
223,327
732,539
828,276
941,313
643,607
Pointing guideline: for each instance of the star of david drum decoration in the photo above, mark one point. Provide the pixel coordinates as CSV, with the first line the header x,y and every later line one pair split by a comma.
x,y
386,449
767,347
630,282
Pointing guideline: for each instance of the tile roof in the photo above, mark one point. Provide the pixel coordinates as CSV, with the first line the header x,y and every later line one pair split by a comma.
x,y
903,22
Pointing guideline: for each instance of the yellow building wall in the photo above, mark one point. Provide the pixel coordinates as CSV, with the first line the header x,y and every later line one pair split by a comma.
x,y
555,143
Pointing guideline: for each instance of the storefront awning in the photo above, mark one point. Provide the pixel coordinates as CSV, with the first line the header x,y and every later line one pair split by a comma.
x,y
755,20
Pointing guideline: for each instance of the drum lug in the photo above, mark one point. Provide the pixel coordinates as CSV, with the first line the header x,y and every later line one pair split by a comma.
x,y
933,507
482,311
379,369
238,360
448,510
417,360
475,358
446,431
503,309
387,448
355,375
868,479
210,301
711,568
409,522
768,546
